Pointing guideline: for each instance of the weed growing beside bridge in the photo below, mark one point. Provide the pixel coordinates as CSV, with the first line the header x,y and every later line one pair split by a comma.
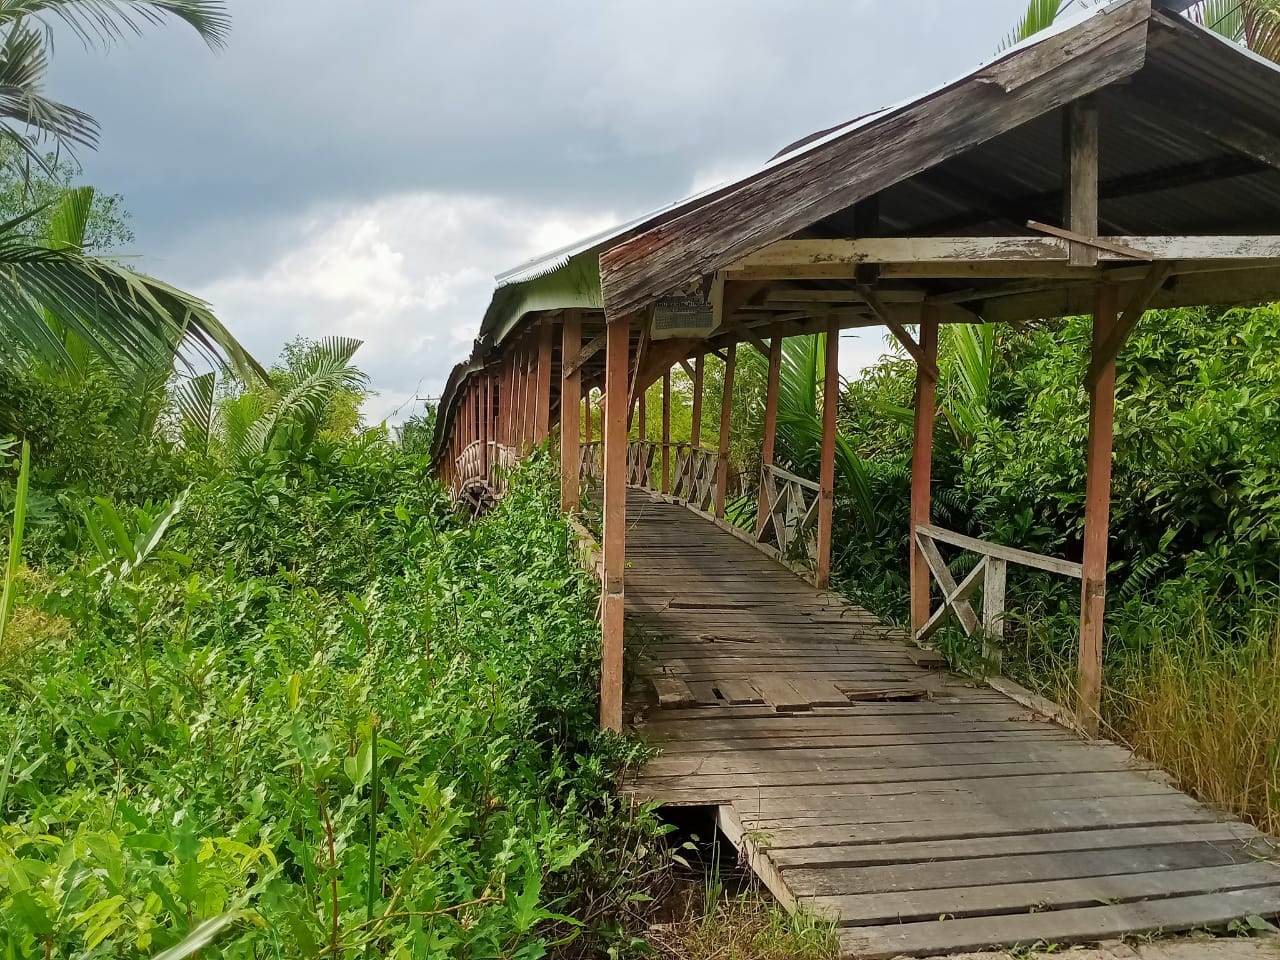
x,y
318,716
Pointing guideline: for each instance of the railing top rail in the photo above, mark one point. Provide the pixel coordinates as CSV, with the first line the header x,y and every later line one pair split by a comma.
x,y
792,478
1012,554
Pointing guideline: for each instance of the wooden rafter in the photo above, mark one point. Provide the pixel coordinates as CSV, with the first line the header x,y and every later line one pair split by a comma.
x,y
594,346
904,337
1087,240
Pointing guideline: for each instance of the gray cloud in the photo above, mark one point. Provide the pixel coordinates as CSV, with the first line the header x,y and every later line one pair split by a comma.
x,y
320,116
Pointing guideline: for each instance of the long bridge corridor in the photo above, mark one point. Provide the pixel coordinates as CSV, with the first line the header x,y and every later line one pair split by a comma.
x,y
926,813
1126,160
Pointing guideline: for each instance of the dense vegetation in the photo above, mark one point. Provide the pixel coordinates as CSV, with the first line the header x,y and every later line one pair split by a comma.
x,y
304,701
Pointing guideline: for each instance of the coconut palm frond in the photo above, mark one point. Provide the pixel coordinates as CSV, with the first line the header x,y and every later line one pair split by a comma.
x,y
108,21
239,415
1221,16
196,402
24,61
972,346
324,372
50,290
1040,15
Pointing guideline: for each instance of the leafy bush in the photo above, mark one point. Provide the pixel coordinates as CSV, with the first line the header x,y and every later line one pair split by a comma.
x,y
326,719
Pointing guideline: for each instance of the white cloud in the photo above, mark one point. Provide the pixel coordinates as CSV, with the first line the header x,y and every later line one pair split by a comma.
x,y
411,275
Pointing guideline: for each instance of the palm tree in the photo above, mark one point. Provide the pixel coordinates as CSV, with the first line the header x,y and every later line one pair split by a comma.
x,y
56,301
316,381
1254,23
25,38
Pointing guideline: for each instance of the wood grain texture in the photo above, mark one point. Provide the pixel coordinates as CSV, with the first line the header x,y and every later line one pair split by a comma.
x,y
891,812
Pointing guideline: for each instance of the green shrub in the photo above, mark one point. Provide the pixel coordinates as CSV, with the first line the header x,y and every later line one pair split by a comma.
x,y
205,749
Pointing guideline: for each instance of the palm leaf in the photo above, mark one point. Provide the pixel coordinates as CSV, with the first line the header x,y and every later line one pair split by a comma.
x,y
972,347
196,402
239,414
24,62
1040,15
127,318
324,372
106,21
24,57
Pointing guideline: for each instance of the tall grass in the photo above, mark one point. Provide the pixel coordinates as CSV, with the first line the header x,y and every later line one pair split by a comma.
x,y
1191,683
1204,704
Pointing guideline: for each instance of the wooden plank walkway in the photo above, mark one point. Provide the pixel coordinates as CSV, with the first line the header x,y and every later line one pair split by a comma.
x,y
925,814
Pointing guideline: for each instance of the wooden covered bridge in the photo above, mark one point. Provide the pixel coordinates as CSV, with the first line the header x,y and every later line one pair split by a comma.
x,y
1125,160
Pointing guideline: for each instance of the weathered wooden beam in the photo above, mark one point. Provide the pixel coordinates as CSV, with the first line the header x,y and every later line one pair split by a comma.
x,y
1051,251
570,414
1088,242
922,465
827,467
1097,513
542,424
612,598
763,506
904,337
999,551
1137,305
594,346
1226,284
686,367
1080,147
726,426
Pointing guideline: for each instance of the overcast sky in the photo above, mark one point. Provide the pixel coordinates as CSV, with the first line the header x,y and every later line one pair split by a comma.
x,y
366,169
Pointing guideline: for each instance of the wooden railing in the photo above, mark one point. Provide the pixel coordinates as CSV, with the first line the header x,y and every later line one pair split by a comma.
x,y
469,467
590,461
788,513
480,473
694,479
989,573
640,455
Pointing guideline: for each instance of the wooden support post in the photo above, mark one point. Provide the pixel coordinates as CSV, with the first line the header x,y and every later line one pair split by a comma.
x,y
530,395
666,431
726,425
486,421
542,419
827,470
770,428
993,584
1097,515
615,520
695,426
1080,144
922,465
570,412
586,403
